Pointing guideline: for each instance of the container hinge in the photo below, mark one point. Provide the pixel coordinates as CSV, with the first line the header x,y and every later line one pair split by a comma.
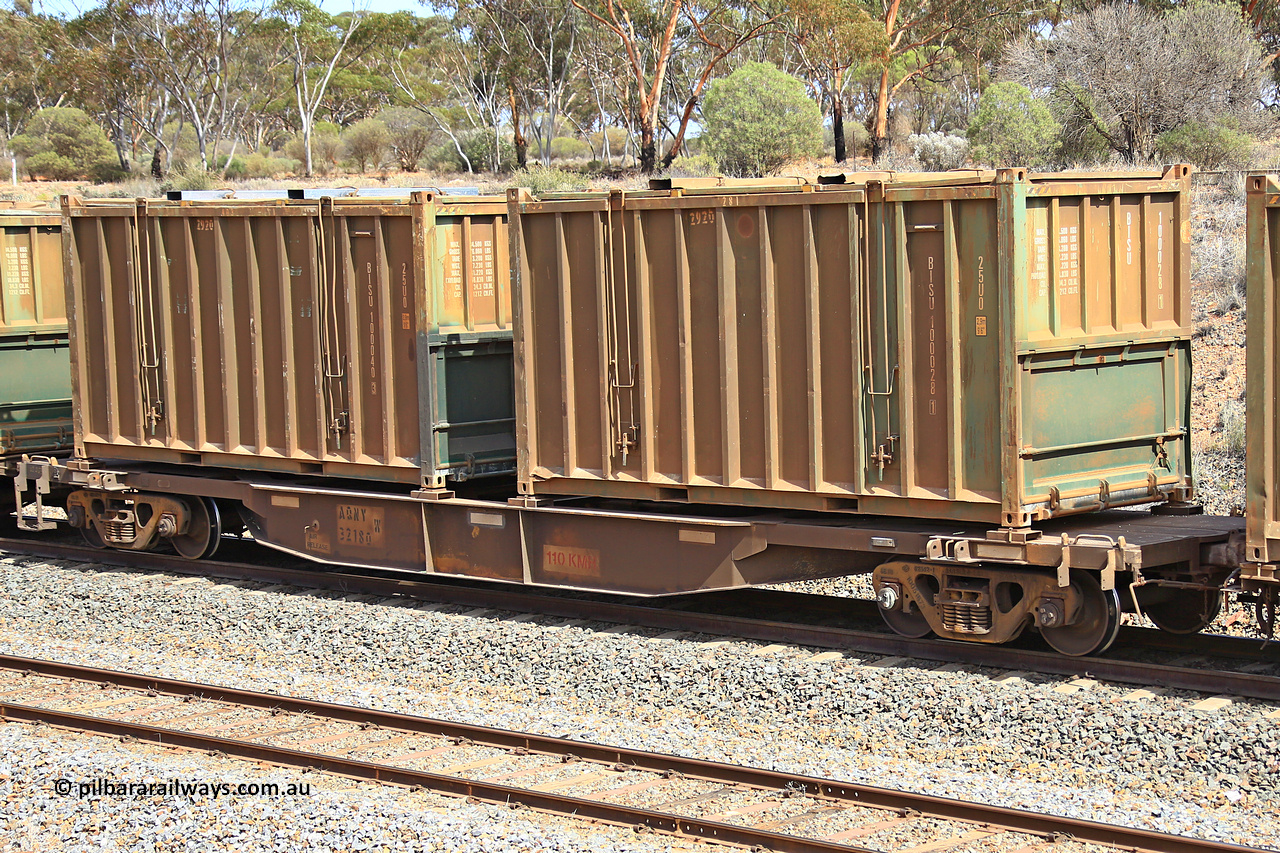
x,y
1162,453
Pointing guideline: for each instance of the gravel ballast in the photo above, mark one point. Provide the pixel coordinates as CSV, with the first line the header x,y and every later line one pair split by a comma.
x,y
1092,753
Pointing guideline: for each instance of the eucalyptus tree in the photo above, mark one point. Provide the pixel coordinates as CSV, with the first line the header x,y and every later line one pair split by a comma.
x,y
920,35
436,75
33,75
197,52
315,43
830,38
651,32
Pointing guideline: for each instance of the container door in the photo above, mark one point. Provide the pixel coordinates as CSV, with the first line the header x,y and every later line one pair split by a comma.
x,y
929,326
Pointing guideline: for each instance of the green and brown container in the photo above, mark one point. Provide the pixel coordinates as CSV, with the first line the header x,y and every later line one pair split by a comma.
x,y
996,347
35,368
355,337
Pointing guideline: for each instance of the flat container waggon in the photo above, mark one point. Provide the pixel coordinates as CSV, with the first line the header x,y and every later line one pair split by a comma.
x,y
347,337
1002,348
227,355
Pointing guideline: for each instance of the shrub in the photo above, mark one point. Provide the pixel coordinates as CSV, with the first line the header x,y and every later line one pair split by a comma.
x,y
617,141
478,145
758,119
857,139
366,142
261,165
1011,127
1217,145
1231,422
64,144
546,179
695,166
568,148
188,177
408,135
939,151
326,146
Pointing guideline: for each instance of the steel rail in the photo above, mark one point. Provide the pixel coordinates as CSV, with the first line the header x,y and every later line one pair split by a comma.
x,y
495,596
1050,827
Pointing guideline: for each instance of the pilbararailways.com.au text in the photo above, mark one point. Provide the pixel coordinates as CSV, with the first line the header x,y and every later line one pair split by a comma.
x,y
192,788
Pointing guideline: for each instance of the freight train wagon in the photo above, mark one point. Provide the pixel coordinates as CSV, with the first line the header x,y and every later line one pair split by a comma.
x,y
35,370
837,316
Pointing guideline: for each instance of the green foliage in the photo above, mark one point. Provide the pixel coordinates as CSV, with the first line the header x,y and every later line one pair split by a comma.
x,y
857,138
326,147
546,179
1217,145
188,177
568,148
758,119
261,165
64,144
1132,72
695,166
409,135
617,140
367,142
479,148
1012,128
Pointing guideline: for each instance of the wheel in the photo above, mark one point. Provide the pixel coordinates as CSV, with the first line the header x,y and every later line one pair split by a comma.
x,y
203,533
93,538
912,624
1099,622
1186,611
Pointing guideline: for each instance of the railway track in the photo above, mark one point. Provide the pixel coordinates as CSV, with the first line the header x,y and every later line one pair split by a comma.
x,y
668,794
694,614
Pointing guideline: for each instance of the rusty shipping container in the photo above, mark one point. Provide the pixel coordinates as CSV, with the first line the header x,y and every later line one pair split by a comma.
x,y
35,367
1262,392
990,347
362,338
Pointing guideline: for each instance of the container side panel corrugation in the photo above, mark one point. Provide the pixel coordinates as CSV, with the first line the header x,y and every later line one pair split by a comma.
x,y
35,370
290,336
1104,268
922,347
974,340
31,274
472,282
1262,531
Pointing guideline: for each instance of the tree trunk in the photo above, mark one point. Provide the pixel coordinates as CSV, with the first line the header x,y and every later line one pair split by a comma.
x,y
677,145
306,144
648,146
156,171
518,139
880,133
837,125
